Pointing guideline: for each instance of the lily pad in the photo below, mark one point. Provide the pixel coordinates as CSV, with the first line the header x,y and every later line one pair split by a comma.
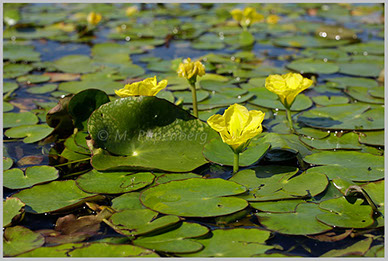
x,y
278,206
91,250
371,47
205,198
14,70
142,134
342,82
357,249
33,78
377,92
9,86
362,94
356,166
363,69
14,119
83,62
175,241
342,213
302,221
113,182
219,152
313,66
271,182
20,52
45,198
16,179
129,200
268,99
32,133
237,242
12,208
334,142
132,222
175,176
308,41
188,98
7,163
375,191
345,117
217,100
330,100
107,85
42,89
18,240
375,138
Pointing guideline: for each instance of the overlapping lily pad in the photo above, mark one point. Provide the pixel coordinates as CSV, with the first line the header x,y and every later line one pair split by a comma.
x,y
114,182
219,152
16,179
17,240
205,198
146,132
45,198
225,242
334,142
12,209
30,133
175,241
313,66
357,166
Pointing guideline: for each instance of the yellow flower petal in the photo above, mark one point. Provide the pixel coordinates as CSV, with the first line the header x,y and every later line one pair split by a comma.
x,y
237,125
94,18
147,87
189,69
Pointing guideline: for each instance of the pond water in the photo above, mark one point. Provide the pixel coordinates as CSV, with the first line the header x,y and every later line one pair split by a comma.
x,y
339,136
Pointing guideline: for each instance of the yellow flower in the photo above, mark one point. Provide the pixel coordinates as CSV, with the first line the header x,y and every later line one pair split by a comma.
x,y
237,126
94,18
287,86
273,19
147,87
246,17
131,10
189,69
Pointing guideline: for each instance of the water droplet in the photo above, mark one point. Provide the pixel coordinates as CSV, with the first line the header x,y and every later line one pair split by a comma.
x,y
239,97
276,109
232,58
337,37
13,38
328,131
237,78
139,35
156,116
127,38
365,53
123,26
175,30
322,34
325,60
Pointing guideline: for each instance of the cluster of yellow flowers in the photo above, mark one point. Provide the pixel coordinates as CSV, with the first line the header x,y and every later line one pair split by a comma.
x,y
189,69
248,16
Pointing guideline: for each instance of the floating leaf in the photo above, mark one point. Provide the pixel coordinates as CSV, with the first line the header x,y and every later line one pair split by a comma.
x,y
307,41
342,82
145,133
33,78
330,100
14,70
370,47
362,94
9,86
132,222
129,200
345,117
237,242
188,98
278,206
14,119
334,142
18,240
205,198
20,52
32,133
42,89
12,209
113,182
356,166
16,179
45,198
91,250
175,241
175,176
219,152
377,92
83,62
345,214
313,66
300,222
7,163
357,249
363,69
375,138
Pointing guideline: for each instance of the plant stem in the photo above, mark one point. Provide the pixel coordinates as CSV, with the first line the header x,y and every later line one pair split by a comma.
x,y
289,118
236,162
194,93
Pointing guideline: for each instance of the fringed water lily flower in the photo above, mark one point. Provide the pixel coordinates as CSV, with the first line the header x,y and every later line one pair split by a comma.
x,y
237,126
147,87
287,87
131,10
191,70
246,17
94,18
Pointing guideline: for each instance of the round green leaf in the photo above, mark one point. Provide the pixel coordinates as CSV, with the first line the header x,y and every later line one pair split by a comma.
x,y
345,214
342,82
175,176
113,182
300,222
279,206
127,201
307,41
18,240
362,94
358,249
370,47
131,222
32,133
237,242
145,134
375,138
345,117
45,198
83,62
188,98
33,78
12,207
16,179
363,69
14,119
334,142
7,163
356,166
42,89
175,241
313,66
9,86
330,100
205,198
14,70
219,152
377,92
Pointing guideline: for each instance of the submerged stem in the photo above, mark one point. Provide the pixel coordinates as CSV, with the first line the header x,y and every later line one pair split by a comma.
x,y
194,93
236,162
